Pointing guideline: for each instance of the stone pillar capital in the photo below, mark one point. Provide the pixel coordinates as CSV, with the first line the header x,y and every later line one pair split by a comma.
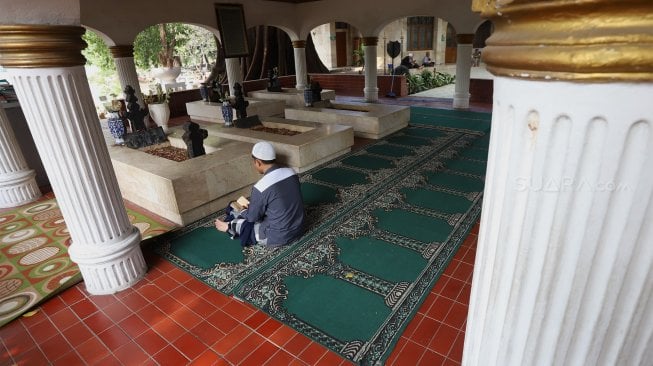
x,y
612,40
40,46
122,51
370,41
465,38
299,44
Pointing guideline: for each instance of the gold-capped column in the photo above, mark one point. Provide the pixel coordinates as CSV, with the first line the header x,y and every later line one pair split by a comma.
x,y
371,90
299,51
564,264
47,68
123,57
463,70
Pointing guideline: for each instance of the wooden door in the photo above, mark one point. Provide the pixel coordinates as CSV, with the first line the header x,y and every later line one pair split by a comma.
x,y
341,49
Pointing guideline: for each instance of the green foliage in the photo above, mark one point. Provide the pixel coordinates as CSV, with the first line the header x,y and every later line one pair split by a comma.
x,y
428,80
159,97
359,56
97,53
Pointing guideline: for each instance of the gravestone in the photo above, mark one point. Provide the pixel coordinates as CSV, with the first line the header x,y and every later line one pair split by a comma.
x,y
273,81
194,138
143,138
135,113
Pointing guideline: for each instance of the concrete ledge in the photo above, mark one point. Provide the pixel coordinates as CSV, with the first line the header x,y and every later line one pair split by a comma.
x,y
183,192
292,97
212,112
369,120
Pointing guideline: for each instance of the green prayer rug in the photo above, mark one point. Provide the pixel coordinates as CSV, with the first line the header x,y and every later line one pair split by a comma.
x,y
327,191
383,222
354,284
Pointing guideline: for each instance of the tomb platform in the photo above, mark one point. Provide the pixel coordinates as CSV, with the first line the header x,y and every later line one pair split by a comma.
x,y
212,112
310,145
373,121
186,191
290,96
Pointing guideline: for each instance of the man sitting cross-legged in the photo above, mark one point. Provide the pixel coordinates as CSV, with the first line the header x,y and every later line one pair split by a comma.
x,y
275,214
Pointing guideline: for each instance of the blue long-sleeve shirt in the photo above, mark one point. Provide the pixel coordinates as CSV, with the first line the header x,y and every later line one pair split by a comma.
x,y
276,203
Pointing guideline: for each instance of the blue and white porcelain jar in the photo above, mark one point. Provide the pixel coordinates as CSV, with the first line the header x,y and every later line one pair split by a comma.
x,y
227,114
308,97
116,127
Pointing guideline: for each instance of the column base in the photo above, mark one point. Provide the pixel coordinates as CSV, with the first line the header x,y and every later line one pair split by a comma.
x,y
461,102
300,86
109,268
18,188
371,94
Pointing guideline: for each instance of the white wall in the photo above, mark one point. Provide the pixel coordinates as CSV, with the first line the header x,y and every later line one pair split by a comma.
x,y
324,45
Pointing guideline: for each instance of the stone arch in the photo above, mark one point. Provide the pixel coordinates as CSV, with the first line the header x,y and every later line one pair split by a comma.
x,y
107,40
337,43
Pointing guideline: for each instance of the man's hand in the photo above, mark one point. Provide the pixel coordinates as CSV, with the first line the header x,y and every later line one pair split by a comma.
x,y
221,225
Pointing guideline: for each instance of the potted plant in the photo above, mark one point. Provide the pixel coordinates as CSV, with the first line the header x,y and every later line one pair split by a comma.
x,y
157,105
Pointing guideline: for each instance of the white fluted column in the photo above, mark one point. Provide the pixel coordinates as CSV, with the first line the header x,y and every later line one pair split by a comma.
x,y
234,73
371,90
52,86
463,70
123,57
17,182
299,50
564,265
564,272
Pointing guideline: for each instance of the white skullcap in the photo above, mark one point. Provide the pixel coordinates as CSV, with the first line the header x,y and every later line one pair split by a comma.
x,y
410,54
263,151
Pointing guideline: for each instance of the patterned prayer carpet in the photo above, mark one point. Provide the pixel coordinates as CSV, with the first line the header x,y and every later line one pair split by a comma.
x,y
383,223
34,261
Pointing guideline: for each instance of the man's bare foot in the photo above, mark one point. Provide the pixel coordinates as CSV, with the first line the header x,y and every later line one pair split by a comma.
x,y
221,225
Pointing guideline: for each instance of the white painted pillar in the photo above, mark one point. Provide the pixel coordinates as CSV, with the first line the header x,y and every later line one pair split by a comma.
x,y
234,73
17,182
52,86
564,268
564,265
299,50
463,70
371,90
123,57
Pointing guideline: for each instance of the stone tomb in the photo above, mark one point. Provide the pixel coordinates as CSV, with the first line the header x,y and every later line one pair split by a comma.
x,y
315,143
369,120
184,192
212,112
291,96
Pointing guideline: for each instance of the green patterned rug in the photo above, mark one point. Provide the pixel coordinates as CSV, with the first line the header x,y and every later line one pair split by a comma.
x,y
383,223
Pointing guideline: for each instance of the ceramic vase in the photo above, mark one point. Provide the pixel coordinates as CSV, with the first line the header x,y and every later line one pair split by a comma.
x,y
160,114
204,92
227,114
167,75
116,128
308,97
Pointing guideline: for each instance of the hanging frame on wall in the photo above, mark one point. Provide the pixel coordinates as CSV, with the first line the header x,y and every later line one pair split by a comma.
x,y
231,24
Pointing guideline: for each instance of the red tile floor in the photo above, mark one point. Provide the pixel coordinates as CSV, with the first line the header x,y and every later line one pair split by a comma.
x,y
171,318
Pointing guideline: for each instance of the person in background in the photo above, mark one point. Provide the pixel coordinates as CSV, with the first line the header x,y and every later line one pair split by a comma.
x,y
275,213
409,62
426,61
